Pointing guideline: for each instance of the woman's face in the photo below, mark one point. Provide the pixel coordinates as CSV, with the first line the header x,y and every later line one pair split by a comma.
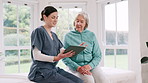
x,y
51,20
80,23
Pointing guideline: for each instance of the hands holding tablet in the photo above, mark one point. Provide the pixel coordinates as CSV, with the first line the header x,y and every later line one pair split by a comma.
x,y
70,51
76,49
64,55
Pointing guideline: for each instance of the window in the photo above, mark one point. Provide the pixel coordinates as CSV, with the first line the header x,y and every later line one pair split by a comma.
x,y
116,34
65,22
67,13
16,36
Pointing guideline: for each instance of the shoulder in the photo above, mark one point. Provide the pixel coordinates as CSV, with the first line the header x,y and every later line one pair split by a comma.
x,y
90,35
88,32
70,33
38,30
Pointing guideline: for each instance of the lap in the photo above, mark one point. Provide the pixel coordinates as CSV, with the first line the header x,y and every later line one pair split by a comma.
x,y
59,76
85,78
98,76
70,76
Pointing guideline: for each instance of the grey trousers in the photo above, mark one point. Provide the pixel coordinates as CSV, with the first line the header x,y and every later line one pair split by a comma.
x,y
58,76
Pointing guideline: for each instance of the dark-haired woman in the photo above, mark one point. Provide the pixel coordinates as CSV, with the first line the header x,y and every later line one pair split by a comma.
x,y
46,52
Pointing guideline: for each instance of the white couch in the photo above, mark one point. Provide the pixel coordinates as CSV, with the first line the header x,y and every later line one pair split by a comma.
x,y
114,76
119,76
22,78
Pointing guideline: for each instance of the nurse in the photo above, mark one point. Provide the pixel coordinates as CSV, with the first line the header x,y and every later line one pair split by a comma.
x,y
46,52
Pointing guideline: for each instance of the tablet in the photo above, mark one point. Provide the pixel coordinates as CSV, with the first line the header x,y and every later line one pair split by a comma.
x,y
76,49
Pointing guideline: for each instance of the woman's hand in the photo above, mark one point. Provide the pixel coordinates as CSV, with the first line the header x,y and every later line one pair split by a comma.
x,y
82,44
63,55
84,70
87,67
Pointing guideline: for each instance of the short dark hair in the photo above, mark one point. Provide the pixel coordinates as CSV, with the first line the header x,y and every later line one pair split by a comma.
x,y
47,11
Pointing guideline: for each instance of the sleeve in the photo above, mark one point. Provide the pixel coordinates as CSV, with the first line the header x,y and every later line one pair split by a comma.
x,y
61,45
71,64
96,54
67,61
37,39
41,57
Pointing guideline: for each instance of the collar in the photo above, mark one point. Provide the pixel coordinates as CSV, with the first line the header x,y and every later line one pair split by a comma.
x,y
84,31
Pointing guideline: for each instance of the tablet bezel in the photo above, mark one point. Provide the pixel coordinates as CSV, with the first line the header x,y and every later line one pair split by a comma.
x,y
76,49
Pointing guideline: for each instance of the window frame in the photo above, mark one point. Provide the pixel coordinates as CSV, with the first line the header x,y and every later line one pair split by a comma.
x,y
32,4
68,5
103,34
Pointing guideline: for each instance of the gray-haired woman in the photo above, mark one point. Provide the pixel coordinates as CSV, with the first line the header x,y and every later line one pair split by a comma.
x,y
84,64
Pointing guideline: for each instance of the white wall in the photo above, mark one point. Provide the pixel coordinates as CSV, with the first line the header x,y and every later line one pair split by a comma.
x,y
41,5
138,27
92,11
144,26
134,38
100,33
144,37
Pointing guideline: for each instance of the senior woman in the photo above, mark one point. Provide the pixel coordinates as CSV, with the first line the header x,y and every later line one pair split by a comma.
x,y
84,64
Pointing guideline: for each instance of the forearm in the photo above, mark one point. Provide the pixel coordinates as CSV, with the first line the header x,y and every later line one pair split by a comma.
x,y
37,55
56,58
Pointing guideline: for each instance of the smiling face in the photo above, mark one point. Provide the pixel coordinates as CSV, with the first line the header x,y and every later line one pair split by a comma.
x,y
80,23
51,20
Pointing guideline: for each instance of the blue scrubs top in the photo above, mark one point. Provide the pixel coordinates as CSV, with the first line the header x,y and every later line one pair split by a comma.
x,y
41,39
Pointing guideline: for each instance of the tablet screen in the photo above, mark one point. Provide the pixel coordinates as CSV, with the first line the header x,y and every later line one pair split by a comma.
x,y
76,49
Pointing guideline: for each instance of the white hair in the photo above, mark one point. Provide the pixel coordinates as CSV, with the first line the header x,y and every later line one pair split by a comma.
x,y
85,15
